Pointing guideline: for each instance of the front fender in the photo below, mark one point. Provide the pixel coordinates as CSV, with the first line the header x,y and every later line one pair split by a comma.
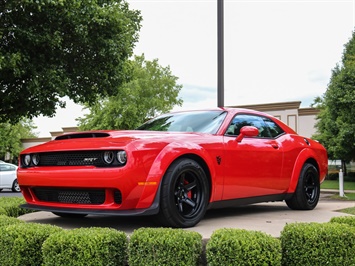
x,y
162,162
303,156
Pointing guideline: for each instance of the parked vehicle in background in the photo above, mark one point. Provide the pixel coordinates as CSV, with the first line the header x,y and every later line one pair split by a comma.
x,y
175,166
8,177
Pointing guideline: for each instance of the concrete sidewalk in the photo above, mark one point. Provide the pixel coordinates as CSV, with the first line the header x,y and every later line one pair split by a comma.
x,y
266,217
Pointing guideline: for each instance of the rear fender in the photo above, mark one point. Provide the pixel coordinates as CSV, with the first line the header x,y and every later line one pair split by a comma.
x,y
303,156
162,162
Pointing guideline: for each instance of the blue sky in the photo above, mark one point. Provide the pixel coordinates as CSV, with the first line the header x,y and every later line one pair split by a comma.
x,y
275,51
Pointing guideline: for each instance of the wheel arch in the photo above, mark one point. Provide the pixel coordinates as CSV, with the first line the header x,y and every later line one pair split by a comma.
x,y
162,162
305,156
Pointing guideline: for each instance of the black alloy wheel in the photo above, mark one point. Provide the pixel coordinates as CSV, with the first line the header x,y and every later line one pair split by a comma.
x,y
184,194
311,187
307,193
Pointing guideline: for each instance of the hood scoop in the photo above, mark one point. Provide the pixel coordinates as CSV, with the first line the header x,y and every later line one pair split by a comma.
x,y
84,135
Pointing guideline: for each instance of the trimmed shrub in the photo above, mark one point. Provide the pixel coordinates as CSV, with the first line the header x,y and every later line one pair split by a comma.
x,y
21,243
2,211
11,205
350,220
318,244
242,247
164,246
86,246
6,220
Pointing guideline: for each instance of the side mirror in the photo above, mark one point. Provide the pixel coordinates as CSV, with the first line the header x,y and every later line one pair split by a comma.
x,y
247,131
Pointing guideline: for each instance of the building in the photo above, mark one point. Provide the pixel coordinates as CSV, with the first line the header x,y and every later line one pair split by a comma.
x,y
301,120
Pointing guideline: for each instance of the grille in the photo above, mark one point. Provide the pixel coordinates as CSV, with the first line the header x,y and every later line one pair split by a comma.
x,y
117,196
72,159
74,196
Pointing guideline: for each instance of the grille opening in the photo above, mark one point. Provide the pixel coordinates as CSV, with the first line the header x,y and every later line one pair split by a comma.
x,y
83,135
72,158
71,196
117,197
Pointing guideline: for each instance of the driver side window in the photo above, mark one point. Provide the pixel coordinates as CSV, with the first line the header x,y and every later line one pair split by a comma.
x,y
242,120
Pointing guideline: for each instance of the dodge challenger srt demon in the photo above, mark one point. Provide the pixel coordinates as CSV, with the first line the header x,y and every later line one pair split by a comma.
x,y
175,166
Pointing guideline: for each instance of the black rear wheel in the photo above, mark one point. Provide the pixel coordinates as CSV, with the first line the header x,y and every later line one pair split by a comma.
x,y
184,194
307,193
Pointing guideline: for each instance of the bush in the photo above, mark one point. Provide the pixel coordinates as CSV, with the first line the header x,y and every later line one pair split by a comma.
x,y
318,244
164,246
242,247
6,220
86,246
11,205
2,211
350,220
332,176
21,243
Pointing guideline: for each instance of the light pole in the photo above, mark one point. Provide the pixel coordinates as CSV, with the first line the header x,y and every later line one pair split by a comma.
x,y
220,56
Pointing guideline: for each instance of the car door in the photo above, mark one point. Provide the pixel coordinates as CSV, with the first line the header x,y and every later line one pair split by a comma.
x,y
253,166
7,175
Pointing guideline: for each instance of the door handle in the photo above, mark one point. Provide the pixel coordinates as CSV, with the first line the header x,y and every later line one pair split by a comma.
x,y
273,144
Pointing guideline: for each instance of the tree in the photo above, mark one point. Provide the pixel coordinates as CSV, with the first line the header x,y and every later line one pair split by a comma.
x,y
336,120
11,135
55,48
151,91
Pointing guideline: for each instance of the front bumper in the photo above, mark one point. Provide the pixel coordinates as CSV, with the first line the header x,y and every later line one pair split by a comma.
x,y
153,210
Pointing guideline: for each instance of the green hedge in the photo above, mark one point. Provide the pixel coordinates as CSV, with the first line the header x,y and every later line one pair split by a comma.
x,y
318,244
350,220
11,206
164,246
24,244
86,246
21,243
6,220
242,247
3,211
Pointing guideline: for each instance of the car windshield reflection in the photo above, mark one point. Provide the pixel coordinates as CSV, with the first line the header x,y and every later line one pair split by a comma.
x,y
195,121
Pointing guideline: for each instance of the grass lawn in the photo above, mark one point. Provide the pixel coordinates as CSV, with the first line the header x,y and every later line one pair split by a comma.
x,y
348,196
334,184
348,185
349,210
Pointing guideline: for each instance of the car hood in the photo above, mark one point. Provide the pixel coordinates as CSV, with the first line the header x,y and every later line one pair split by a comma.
x,y
110,139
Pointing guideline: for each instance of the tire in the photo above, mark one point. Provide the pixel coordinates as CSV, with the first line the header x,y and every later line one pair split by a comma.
x,y
15,186
70,215
307,192
184,194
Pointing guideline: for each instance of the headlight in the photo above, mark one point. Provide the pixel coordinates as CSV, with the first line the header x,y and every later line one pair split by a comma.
x,y
109,157
35,159
122,157
27,160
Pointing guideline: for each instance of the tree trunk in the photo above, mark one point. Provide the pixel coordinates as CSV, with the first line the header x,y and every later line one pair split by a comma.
x,y
343,167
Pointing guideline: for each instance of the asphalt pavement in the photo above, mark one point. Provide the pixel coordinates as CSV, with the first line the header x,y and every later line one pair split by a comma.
x,y
266,217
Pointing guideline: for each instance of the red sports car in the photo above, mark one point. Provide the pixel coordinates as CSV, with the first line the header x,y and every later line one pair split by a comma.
x,y
175,166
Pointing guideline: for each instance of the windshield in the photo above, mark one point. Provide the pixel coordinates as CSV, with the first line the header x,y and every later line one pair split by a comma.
x,y
194,121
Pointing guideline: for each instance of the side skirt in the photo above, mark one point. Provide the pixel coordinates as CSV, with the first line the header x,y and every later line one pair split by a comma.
x,y
247,201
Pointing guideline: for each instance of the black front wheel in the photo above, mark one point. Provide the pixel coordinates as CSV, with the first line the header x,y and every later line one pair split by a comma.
x,y
184,194
307,192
